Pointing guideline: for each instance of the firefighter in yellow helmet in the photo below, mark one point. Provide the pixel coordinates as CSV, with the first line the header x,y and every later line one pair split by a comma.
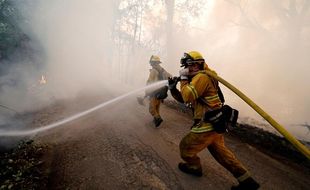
x,y
157,73
203,94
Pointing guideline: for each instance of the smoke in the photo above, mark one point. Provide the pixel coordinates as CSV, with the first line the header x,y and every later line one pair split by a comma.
x,y
85,49
75,35
76,46
71,54
262,48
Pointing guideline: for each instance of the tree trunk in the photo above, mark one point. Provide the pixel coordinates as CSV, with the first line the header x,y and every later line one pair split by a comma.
x,y
169,30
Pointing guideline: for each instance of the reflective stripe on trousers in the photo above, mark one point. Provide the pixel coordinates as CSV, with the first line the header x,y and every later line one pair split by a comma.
x,y
193,143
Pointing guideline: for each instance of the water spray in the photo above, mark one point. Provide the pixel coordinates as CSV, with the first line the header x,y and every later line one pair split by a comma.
x,y
298,145
78,115
7,108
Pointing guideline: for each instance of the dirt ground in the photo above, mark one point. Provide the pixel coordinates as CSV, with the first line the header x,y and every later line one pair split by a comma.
x,y
117,147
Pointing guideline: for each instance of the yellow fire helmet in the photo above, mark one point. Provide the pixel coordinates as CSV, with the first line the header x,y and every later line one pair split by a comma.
x,y
154,59
195,55
192,57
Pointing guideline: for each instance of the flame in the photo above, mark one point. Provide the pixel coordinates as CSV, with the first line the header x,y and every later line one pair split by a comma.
x,y
42,80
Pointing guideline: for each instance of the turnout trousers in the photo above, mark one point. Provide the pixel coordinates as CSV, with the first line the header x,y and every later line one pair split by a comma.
x,y
154,107
193,143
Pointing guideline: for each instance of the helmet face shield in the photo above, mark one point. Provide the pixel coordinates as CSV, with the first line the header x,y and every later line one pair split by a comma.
x,y
154,62
184,60
188,60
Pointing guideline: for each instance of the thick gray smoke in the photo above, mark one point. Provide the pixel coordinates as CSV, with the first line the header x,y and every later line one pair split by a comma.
x,y
263,48
259,47
77,43
76,37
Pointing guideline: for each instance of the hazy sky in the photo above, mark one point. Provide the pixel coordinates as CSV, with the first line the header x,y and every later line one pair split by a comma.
x,y
261,47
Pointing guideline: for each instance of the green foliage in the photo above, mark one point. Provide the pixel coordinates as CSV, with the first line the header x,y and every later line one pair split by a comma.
x,y
10,32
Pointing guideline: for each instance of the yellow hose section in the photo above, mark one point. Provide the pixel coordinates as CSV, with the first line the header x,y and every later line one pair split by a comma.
x,y
302,148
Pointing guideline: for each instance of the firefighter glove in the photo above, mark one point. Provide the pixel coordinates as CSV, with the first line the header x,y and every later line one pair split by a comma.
x,y
184,74
172,82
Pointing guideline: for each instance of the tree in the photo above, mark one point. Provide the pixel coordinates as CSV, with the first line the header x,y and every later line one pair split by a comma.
x,y
169,28
10,33
290,17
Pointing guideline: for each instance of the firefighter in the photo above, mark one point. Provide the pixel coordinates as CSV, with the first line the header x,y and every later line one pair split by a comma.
x,y
157,96
202,93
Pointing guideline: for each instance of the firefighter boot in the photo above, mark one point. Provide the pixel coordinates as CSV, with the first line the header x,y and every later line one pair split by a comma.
x,y
157,121
187,169
248,184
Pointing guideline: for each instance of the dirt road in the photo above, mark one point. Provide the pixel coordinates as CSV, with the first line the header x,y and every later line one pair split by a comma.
x,y
118,147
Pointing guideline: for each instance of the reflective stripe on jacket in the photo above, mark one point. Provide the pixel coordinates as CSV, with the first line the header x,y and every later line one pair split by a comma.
x,y
202,128
201,92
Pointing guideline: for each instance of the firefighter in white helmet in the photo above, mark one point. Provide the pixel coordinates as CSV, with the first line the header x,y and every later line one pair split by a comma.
x,y
157,96
203,94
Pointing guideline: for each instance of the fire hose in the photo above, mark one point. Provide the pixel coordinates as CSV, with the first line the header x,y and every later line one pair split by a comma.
x,y
298,145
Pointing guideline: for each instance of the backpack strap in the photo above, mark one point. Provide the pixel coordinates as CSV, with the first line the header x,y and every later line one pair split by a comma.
x,y
160,73
216,85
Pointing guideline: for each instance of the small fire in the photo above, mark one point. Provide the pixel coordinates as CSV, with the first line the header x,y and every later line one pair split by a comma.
x,y
38,86
42,80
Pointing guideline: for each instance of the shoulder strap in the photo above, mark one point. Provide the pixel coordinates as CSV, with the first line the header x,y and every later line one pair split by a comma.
x,y
161,74
216,85
221,95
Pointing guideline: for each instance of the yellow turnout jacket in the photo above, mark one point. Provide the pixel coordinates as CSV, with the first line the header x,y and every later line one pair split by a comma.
x,y
202,94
